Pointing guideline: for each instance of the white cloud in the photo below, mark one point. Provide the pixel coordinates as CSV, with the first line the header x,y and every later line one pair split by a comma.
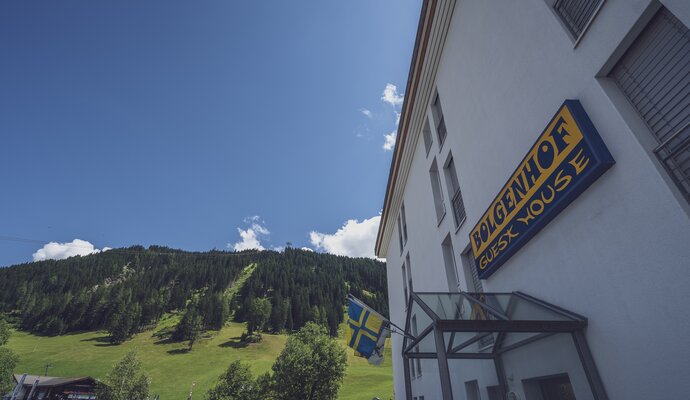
x,y
306,249
59,251
389,144
366,113
250,238
391,95
354,239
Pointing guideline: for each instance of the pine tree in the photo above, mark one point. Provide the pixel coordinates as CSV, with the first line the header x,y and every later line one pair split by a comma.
x,y
278,313
259,312
119,328
190,326
194,330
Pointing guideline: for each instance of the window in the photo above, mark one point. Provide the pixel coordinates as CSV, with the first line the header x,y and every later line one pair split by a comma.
x,y
653,75
437,113
426,132
404,277
472,390
417,361
454,190
439,204
472,278
404,223
407,279
400,236
409,272
449,261
576,15
494,392
471,274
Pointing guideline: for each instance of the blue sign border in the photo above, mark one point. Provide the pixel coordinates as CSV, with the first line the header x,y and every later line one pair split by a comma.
x,y
601,160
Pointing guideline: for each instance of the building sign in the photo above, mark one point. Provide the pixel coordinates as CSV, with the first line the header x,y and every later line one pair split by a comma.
x,y
567,157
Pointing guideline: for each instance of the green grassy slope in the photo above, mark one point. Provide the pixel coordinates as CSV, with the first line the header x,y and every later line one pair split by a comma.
x,y
172,369
241,279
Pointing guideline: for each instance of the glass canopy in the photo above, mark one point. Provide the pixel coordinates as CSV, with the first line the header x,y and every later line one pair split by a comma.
x,y
487,326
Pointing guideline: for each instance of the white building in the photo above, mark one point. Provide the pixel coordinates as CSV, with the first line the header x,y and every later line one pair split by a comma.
x,y
487,82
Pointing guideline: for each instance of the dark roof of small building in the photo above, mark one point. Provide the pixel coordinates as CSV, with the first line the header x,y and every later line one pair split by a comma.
x,y
53,381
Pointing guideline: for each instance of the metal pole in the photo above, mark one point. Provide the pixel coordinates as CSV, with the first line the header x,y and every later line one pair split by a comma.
x,y
588,365
408,382
501,375
18,388
33,390
444,374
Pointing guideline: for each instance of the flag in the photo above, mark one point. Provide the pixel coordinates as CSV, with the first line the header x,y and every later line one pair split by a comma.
x,y
367,331
376,357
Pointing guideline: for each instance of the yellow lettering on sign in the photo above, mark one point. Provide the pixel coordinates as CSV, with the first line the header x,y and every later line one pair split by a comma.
x,y
557,141
497,247
536,206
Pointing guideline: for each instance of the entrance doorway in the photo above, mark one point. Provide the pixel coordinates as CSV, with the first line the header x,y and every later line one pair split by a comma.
x,y
552,387
557,388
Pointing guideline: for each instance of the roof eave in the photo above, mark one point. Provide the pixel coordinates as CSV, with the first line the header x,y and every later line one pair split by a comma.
x,y
423,29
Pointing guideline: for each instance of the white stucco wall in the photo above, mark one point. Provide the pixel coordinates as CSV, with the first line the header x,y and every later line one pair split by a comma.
x,y
619,254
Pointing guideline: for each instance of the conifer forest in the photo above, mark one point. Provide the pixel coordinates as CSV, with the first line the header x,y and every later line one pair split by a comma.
x,y
127,290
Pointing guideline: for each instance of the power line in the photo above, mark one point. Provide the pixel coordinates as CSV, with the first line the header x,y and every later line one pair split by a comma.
x,y
25,240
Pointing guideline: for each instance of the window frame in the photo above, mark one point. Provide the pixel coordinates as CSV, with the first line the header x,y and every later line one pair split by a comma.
x,y
469,269
404,223
450,264
575,40
409,273
450,172
437,192
415,332
406,291
439,120
400,237
628,112
427,136
655,142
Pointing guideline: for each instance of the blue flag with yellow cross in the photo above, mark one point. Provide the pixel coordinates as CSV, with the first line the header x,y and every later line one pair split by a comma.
x,y
367,331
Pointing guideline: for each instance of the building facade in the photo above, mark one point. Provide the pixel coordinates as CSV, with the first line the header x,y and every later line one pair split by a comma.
x,y
489,80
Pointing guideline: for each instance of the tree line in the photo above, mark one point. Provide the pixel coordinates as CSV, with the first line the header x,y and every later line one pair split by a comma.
x,y
128,290
301,287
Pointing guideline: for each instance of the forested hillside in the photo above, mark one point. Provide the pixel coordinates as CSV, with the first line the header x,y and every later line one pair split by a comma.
x,y
128,290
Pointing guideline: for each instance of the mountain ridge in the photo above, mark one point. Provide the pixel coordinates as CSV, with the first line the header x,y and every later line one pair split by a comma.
x,y
139,285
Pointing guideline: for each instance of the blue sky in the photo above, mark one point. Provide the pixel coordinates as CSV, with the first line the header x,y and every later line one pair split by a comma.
x,y
197,125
